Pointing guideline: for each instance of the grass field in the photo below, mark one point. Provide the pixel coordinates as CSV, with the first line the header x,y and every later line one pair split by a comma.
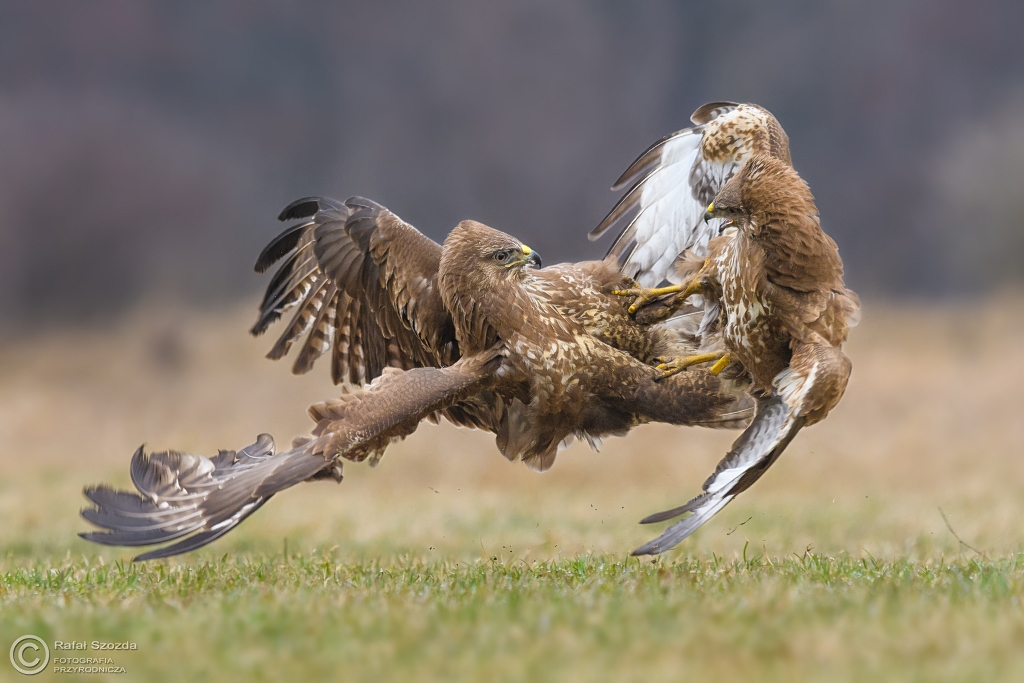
x,y
447,563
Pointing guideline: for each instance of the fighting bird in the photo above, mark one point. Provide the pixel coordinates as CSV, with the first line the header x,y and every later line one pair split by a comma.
x,y
472,331
784,315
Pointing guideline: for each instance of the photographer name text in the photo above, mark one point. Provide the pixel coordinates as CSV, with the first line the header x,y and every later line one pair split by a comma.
x,y
94,645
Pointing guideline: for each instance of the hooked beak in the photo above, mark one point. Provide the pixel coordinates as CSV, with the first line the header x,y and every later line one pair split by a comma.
x,y
531,257
710,213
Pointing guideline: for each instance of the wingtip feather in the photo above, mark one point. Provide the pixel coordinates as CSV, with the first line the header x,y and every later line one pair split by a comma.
x,y
300,208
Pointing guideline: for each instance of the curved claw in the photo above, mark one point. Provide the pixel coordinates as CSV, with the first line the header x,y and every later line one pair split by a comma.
x,y
677,365
644,295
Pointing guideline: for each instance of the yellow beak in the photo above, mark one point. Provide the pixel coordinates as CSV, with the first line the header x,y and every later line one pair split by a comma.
x,y
529,257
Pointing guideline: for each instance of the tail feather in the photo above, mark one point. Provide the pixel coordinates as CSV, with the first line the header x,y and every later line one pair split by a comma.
x,y
194,498
198,499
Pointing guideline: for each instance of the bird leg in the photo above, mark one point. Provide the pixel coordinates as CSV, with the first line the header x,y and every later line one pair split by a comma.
x,y
721,364
674,366
645,295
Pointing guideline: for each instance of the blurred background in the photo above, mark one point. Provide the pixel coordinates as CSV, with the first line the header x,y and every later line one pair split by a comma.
x,y
146,148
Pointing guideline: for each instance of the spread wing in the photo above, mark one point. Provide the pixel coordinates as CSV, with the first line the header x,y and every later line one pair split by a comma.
x,y
774,426
195,500
662,214
363,283
802,394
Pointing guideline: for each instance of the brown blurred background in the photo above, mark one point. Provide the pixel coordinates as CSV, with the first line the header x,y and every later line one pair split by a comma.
x,y
146,147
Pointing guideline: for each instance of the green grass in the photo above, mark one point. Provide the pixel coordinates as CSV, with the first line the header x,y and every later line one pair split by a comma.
x,y
595,617
390,578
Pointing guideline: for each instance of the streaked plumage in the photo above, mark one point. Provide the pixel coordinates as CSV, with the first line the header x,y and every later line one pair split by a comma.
x,y
785,314
465,330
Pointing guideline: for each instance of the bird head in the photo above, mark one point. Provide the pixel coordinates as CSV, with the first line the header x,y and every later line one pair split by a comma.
x,y
728,204
515,256
479,258
764,189
492,250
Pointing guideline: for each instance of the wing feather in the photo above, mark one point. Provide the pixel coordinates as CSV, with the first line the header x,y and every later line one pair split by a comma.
x,y
757,448
673,182
311,292
664,208
364,283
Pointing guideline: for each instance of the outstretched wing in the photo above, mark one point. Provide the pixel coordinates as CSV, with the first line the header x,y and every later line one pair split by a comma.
x,y
363,283
198,499
802,394
774,426
662,214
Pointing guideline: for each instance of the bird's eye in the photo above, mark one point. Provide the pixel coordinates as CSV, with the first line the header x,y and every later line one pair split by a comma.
x,y
501,256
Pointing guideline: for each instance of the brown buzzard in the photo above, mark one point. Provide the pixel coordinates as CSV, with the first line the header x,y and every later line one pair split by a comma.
x,y
785,314
471,330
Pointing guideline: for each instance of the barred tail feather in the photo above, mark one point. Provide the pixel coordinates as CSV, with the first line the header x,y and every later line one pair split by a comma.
x,y
191,497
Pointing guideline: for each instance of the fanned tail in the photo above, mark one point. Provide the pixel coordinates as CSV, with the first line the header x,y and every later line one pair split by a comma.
x,y
191,497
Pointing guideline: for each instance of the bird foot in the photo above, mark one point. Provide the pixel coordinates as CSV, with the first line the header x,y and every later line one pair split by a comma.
x,y
645,295
673,366
721,364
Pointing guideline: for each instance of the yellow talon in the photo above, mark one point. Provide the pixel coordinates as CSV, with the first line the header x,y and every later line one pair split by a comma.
x,y
645,295
677,365
696,283
695,286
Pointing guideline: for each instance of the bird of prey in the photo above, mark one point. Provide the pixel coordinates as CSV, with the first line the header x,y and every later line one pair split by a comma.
x,y
471,330
674,180
785,313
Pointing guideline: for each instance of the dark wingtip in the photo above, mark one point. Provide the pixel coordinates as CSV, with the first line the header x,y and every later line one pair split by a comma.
x,y
663,516
101,537
300,208
623,179
643,162
630,173
646,549
158,554
279,246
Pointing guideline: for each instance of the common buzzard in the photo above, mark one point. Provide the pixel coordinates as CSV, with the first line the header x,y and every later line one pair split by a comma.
x,y
470,330
785,314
